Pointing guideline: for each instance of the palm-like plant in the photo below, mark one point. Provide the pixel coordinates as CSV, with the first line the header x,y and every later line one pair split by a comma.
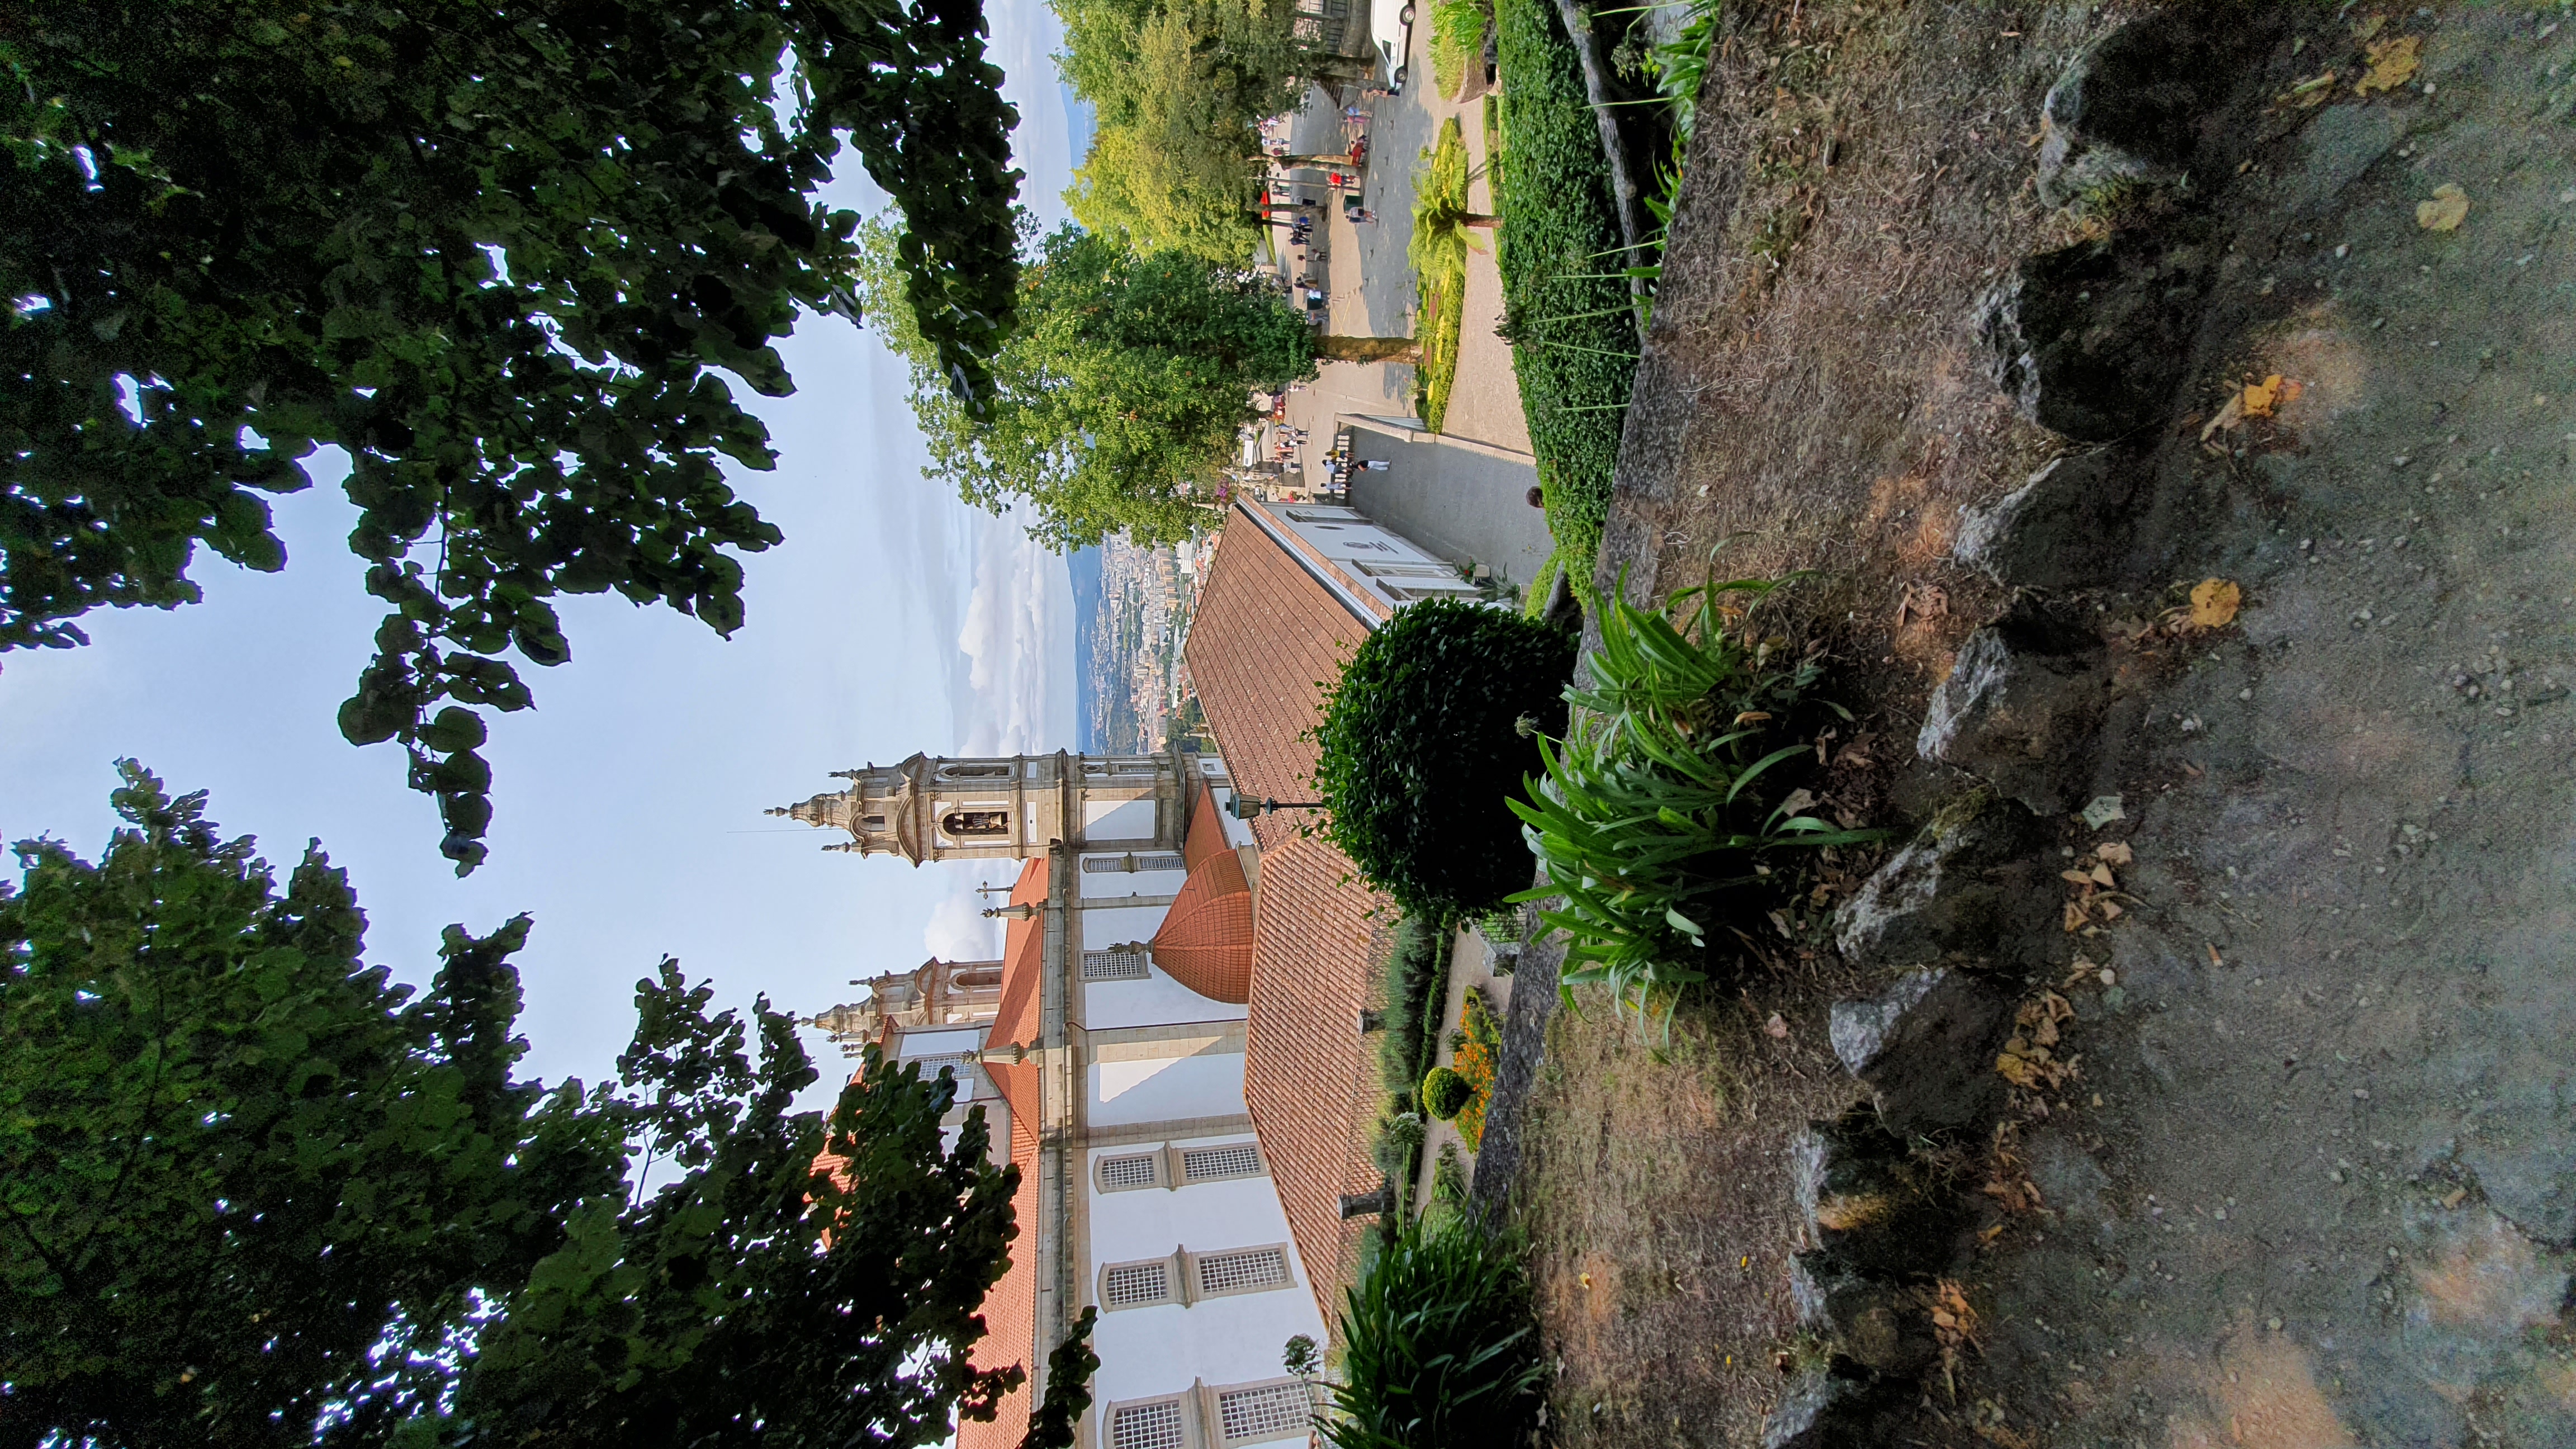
x,y
1439,1348
1656,806
1443,222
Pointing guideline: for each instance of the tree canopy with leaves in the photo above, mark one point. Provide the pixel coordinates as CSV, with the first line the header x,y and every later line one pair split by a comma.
x,y
254,1194
500,254
1179,90
1121,394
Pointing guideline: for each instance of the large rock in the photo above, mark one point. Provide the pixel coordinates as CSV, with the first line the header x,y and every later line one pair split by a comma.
x,y
2091,340
1821,1410
1961,888
1926,1048
1871,1325
2065,528
2020,707
2150,103
1876,1210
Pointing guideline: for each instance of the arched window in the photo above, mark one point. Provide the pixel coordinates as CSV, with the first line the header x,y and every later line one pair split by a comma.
x,y
960,824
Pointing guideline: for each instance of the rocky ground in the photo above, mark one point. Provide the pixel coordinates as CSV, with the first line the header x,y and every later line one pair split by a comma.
x,y
2191,475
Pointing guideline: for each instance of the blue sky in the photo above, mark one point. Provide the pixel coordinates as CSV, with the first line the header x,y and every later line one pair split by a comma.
x,y
628,803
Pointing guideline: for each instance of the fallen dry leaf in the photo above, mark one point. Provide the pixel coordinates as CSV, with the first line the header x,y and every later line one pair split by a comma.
x,y
2102,876
1778,1029
2214,603
2110,909
2315,91
2075,916
1752,716
2448,208
2076,876
2116,852
2229,417
2393,63
2257,398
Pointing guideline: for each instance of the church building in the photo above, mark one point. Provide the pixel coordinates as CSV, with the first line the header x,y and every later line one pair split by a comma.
x,y
1106,1047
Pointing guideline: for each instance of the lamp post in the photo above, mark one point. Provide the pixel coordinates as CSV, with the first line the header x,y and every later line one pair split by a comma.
x,y
1244,807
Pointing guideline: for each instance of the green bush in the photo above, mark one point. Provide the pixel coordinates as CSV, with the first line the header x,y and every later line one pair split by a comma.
x,y
1565,293
1421,747
1449,1180
1457,40
1656,808
1444,1092
1439,1349
1415,987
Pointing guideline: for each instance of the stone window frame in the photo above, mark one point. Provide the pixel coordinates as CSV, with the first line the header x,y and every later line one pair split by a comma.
x,y
1215,1397
1172,1166
1184,1406
1128,966
1181,1285
1200,1412
1134,861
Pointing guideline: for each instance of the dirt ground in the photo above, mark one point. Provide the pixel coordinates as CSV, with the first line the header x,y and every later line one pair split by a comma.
x,y
2316,1183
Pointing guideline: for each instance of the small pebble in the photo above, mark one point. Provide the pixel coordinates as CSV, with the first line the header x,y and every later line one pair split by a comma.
x,y
2273,1324
2343,251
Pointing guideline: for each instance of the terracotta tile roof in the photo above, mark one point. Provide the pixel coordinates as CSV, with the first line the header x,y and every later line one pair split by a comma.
x,y
1015,1016
1011,1308
1309,1079
1264,645
1206,938
1206,833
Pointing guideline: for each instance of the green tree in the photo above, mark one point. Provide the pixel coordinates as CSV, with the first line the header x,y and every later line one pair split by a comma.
x,y
1120,396
499,253
1428,735
1179,89
252,1193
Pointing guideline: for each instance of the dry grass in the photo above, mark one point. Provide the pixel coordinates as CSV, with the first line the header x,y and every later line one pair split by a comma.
x,y
1812,392
1860,178
1656,1193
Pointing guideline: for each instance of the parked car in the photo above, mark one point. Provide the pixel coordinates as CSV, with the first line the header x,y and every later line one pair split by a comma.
x,y
1391,24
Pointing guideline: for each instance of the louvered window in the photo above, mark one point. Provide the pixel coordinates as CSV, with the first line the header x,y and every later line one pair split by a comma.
x,y
1264,1411
1242,1272
1141,1170
1147,1426
1133,1285
1101,864
1113,965
1205,1164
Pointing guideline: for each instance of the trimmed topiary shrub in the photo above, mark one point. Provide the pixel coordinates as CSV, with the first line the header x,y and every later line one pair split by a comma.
x,y
1445,1093
1423,743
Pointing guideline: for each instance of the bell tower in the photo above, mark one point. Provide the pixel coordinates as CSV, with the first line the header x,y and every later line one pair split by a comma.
x,y
1004,808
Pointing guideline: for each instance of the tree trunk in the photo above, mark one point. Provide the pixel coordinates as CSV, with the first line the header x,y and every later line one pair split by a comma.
x,y
1326,66
1320,158
1367,349
1480,221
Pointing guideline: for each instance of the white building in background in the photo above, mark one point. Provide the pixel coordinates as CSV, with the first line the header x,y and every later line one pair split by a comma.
x,y
1107,1049
1371,567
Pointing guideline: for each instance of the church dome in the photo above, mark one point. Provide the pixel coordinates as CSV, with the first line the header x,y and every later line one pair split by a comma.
x,y
1206,940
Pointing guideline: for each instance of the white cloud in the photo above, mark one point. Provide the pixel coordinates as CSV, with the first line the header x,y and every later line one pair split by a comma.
x,y
1017,696
959,932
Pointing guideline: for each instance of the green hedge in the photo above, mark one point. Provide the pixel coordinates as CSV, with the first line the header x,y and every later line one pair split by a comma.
x,y
1421,746
1574,336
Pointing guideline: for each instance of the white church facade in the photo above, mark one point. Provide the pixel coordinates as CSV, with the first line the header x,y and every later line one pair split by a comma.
x,y
1107,1048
